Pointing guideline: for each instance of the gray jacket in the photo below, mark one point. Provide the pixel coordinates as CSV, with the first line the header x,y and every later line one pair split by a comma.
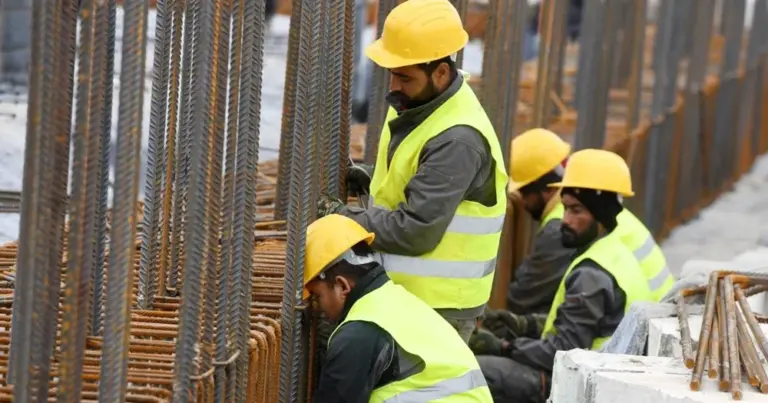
x,y
454,166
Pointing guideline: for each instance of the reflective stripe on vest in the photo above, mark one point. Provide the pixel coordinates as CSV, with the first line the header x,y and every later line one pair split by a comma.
x,y
419,330
612,255
458,272
636,236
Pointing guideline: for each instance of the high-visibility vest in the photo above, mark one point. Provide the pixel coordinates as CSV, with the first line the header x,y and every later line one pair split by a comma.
x,y
458,272
451,372
556,214
639,240
613,256
635,236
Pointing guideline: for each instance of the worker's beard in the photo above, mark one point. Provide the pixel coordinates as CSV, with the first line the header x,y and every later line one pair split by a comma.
x,y
572,239
402,102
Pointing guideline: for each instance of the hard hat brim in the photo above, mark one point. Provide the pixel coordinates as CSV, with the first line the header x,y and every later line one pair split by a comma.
x,y
388,60
368,240
561,185
513,186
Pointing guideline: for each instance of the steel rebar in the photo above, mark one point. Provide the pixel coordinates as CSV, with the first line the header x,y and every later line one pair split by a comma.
x,y
714,348
685,332
732,337
706,329
762,340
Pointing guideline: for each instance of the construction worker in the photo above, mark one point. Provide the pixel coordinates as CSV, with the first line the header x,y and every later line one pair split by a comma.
x,y
437,193
600,284
538,157
389,345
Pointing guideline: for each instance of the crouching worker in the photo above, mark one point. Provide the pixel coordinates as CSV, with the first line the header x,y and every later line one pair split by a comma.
x,y
600,284
389,345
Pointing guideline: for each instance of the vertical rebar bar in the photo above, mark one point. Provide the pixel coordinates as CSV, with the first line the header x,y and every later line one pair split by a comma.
x,y
348,57
714,348
685,332
461,8
155,167
377,105
732,337
113,380
725,370
706,329
82,212
245,184
635,80
547,49
97,303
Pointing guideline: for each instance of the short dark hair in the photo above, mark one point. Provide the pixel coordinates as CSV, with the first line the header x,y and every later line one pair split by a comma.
x,y
351,271
430,67
541,184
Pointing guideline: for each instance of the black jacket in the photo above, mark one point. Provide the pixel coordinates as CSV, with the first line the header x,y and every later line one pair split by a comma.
x,y
362,356
593,308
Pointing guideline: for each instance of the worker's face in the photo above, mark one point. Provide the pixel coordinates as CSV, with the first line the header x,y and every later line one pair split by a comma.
x,y
535,202
412,86
579,227
330,296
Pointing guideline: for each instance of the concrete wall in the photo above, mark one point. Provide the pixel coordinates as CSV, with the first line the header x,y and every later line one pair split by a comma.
x,y
15,28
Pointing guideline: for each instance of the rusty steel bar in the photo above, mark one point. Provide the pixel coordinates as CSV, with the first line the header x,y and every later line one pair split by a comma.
x,y
760,337
706,329
82,212
759,22
752,364
97,302
714,348
635,79
725,367
155,168
114,368
547,54
685,331
245,186
732,337
461,8
377,105
289,111
347,67
753,81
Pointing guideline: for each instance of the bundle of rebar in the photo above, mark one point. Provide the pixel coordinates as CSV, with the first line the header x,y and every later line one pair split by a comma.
x,y
731,340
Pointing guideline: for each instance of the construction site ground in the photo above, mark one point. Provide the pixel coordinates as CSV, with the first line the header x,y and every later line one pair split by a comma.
x,y
733,224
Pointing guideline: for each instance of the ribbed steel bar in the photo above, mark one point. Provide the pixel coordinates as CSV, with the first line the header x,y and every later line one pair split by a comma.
x,y
685,331
548,25
461,8
299,208
155,167
377,105
176,7
65,25
622,57
114,364
214,271
82,212
490,57
725,369
760,337
690,157
591,90
227,325
100,238
323,101
759,23
183,150
245,184
289,109
635,79
504,75
714,348
345,114
200,112
732,338
748,87
706,329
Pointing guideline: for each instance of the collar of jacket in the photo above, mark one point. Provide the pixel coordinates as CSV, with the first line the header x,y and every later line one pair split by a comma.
x,y
551,204
410,118
375,278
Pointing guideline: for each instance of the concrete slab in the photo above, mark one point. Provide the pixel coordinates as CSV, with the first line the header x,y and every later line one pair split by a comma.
x,y
588,377
664,336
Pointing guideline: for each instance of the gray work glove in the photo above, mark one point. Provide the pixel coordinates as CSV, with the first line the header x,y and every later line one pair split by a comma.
x,y
483,342
507,325
359,179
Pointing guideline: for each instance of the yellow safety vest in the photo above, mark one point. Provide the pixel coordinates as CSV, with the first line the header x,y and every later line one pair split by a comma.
x,y
556,213
451,373
639,240
611,254
458,273
635,236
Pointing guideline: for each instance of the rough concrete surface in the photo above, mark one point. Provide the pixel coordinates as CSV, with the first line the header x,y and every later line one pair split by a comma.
x,y
588,377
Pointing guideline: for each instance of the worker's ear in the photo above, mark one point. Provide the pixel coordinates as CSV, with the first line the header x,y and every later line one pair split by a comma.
x,y
344,286
442,76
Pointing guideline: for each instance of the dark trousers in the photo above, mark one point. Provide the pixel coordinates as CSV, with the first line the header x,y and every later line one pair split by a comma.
x,y
512,382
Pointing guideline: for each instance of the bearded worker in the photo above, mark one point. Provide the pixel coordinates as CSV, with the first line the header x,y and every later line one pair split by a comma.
x,y
437,191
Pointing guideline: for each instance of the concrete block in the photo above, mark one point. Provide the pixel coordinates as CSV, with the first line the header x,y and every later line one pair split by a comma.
x,y
581,376
664,336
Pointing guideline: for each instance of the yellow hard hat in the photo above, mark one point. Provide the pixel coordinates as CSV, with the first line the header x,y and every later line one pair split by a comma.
x,y
534,153
598,170
328,238
416,32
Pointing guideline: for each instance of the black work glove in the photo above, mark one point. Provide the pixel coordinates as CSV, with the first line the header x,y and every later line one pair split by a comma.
x,y
359,179
483,342
506,325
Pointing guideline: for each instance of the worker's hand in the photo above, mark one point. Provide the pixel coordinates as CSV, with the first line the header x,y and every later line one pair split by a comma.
x,y
328,205
515,198
505,324
359,178
483,342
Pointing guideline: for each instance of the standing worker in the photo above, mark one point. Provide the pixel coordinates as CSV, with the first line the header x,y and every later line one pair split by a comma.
x,y
389,346
437,193
601,283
